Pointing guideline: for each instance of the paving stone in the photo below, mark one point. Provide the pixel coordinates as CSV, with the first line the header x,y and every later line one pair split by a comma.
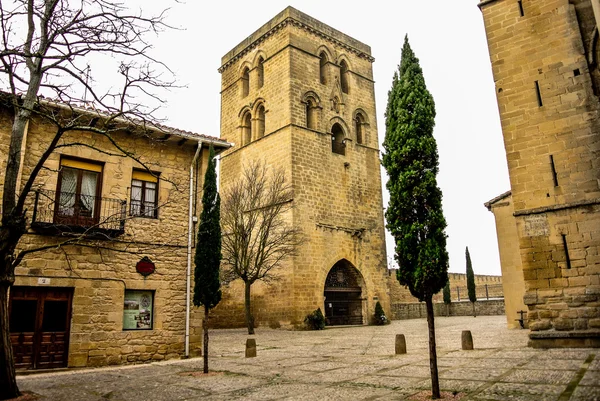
x,y
391,382
539,376
585,393
472,373
558,364
591,378
520,392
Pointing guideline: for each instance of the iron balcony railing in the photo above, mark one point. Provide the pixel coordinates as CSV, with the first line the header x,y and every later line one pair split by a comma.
x,y
61,212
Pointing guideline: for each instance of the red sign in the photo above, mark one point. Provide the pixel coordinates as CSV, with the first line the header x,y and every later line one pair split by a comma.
x,y
145,266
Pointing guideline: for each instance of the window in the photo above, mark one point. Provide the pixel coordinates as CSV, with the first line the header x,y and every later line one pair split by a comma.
x,y
260,71
246,129
138,310
311,113
344,76
245,82
359,121
144,194
78,188
260,122
323,67
338,143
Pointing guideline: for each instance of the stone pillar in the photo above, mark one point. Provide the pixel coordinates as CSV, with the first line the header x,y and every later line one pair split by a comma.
x,y
400,344
467,340
250,348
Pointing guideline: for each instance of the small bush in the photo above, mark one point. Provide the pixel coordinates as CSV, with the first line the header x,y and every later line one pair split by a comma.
x,y
315,320
379,317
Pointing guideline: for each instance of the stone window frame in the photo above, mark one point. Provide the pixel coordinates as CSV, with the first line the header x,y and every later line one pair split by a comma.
x,y
259,66
245,126
245,79
324,63
344,74
312,107
340,139
259,121
362,137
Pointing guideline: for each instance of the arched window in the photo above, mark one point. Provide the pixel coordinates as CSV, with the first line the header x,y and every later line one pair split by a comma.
x,y
338,144
311,113
344,76
323,67
247,129
245,82
260,121
359,121
260,70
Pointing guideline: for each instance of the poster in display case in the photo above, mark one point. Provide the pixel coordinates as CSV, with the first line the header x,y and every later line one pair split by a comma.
x,y
138,310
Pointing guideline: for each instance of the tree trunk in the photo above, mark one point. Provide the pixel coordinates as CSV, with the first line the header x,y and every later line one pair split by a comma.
x,y
205,342
474,315
8,382
435,383
249,317
447,310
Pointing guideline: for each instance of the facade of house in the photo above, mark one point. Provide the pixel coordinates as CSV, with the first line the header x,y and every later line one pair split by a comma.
x,y
299,95
544,58
118,292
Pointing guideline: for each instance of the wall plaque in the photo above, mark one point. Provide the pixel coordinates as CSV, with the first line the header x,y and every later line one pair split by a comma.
x,y
145,266
536,225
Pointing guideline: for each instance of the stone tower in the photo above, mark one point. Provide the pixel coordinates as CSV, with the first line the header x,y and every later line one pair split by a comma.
x,y
299,95
545,62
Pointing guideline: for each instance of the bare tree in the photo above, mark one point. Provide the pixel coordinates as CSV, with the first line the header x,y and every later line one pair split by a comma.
x,y
45,49
257,231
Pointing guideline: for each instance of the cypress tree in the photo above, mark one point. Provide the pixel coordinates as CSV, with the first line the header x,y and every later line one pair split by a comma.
x,y
414,214
447,297
207,284
470,280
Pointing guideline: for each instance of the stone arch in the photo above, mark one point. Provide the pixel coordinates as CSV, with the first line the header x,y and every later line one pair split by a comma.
x,y
259,120
325,57
245,126
344,74
259,62
245,79
361,123
338,139
343,291
312,107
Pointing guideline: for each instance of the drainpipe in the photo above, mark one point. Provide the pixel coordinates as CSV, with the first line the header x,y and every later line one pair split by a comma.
x,y
189,253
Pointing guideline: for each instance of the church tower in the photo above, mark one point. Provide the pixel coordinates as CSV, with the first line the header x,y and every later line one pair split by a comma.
x,y
299,95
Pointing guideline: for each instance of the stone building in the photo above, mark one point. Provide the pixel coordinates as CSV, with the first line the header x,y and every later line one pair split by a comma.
x,y
117,294
545,62
299,95
510,258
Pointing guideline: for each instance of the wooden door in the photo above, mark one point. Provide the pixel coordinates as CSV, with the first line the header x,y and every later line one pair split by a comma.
x,y
39,326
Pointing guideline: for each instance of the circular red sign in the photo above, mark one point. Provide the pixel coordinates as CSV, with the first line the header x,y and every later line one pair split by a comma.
x,y
145,266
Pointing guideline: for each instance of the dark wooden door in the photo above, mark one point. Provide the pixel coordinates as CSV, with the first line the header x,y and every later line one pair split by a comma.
x,y
39,326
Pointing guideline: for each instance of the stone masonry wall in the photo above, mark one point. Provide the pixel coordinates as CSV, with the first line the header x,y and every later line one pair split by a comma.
x,y
418,310
337,198
101,270
550,122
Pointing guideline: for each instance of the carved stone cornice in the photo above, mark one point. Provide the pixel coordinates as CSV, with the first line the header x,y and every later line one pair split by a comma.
x,y
301,25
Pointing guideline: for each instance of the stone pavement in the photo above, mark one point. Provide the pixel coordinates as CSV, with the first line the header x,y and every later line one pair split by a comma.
x,y
345,363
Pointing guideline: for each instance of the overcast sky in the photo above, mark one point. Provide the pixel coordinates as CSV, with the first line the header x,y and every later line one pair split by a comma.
x,y
447,37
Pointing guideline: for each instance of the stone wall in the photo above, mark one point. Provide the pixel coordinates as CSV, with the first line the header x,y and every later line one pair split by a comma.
x,y
417,310
100,270
337,198
543,57
458,288
510,258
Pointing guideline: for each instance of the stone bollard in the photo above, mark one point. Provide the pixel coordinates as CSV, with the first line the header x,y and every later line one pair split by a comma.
x,y
400,344
467,340
250,348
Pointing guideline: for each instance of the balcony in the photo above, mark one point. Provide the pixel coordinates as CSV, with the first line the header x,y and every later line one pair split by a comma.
x,y
70,213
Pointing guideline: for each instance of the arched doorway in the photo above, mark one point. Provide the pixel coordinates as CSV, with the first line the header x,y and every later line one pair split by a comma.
x,y
343,290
